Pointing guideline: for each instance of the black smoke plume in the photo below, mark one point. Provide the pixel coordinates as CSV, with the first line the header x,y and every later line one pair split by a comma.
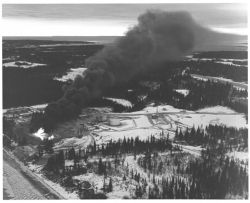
x,y
159,36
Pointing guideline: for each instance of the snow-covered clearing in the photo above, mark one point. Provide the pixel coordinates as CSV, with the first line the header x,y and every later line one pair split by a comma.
x,y
242,156
120,188
194,150
79,143
23,64
122,102
212,115
74,142
71,75
142,122
166,122
184,92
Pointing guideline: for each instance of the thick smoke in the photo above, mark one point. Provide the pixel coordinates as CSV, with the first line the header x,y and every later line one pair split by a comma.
x,y
159,36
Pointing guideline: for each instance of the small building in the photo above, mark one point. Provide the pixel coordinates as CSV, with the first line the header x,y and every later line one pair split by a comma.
x,y
86,190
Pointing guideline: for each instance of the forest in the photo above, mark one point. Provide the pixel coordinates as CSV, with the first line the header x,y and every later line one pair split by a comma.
x,y
213,175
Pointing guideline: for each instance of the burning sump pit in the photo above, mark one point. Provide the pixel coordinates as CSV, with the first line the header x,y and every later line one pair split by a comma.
x,y
158,37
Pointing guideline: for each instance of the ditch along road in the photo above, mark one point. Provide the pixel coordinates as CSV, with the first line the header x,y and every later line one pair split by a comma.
x,y
20,183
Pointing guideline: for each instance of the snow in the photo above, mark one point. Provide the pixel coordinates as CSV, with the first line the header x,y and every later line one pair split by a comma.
x,y
231,62
94,179
199,78
212,115
22,64
69,162
126,124
39,106
184,92
223,79
237,85
73,142
105,136
153,109
194,150
122,102
142,122
71,75
242,156
36,169
216,109
120,188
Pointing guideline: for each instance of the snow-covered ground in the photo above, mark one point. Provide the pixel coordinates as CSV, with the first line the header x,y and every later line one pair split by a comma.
x,y
122,102
56,186
62,45
217,115
38,107
242,156
71,75
194,150
23,64
106,135
142,124
73,142
184,92
120,187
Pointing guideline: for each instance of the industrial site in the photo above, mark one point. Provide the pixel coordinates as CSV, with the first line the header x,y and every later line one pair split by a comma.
x,y
158,112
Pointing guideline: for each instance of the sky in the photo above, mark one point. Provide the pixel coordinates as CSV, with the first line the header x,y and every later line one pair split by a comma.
x,y
111,19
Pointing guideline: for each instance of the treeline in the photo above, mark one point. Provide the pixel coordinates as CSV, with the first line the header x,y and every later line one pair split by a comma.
x,y
229,180
225,138
223,54
202,93
219,178
135,146
125,146
210,68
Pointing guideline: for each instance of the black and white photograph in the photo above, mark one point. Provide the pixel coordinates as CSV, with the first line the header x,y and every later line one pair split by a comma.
x,y
124,100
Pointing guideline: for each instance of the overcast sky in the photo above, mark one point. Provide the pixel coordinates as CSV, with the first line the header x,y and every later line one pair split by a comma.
x,y
110,19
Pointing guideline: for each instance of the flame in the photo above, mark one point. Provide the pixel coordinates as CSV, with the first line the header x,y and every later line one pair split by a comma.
x,y
41,134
